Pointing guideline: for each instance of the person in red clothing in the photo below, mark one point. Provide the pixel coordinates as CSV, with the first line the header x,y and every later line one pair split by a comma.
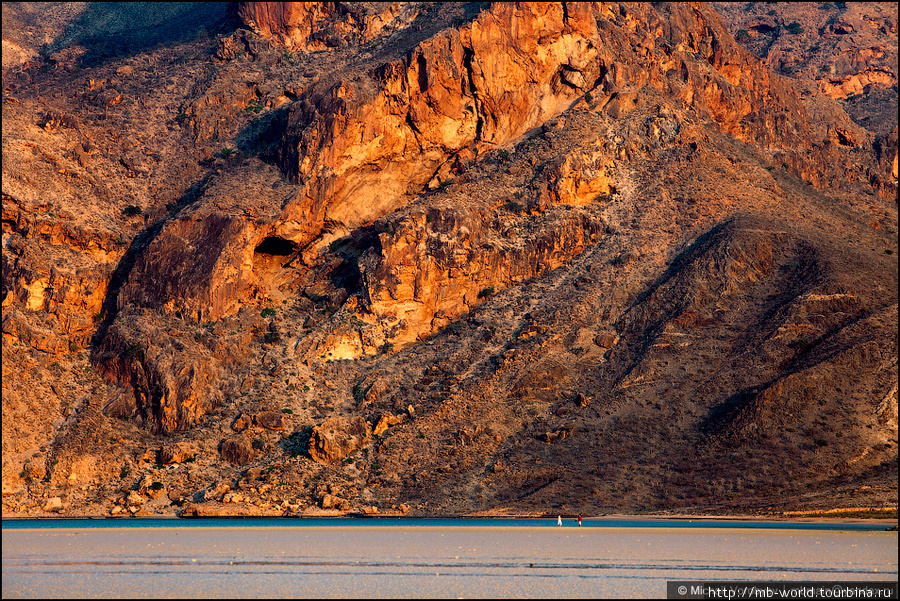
x,y
579,520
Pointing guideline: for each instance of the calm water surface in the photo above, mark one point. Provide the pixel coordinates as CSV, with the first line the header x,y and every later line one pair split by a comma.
x,y
328,558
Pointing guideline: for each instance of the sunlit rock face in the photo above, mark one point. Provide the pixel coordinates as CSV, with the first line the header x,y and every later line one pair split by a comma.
x,y
311,26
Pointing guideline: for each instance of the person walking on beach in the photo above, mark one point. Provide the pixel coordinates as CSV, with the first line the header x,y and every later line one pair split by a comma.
x,y
579,520
559,520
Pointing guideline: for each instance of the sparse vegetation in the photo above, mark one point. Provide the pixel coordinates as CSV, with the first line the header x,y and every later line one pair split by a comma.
x,y
799,343
700,308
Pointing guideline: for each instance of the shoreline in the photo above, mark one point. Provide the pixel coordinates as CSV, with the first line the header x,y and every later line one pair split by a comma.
x,y
612,518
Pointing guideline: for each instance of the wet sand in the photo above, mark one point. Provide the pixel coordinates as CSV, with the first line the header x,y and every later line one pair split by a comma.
x,y
425,561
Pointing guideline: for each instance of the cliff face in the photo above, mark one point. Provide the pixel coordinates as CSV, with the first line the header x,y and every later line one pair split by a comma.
x,y
311,26
845,49
363,142
445,258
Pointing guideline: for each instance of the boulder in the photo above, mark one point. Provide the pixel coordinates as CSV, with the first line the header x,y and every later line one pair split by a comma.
x,y
330,501
233,497
135,499
34,471
237,450
606,339
557,434
217,491
53,504
386,421
241,422
176,453
337,437
270,420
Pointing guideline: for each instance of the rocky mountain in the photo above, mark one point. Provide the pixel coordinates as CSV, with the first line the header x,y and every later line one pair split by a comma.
x,y
448,258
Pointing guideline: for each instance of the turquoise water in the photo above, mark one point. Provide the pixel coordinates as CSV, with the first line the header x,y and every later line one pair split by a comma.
x,y
415,558
362,522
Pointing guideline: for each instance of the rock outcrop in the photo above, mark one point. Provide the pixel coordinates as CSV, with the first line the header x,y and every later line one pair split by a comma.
x,y
237,450
311,26
360,145
177,453
338,437
847,49
174,380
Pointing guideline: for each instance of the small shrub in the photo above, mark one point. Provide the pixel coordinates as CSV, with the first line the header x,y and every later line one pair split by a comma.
x,y
799,343
795,28
132,210
123,473
288,411
156,486
267,312
486,292
271,337
456,327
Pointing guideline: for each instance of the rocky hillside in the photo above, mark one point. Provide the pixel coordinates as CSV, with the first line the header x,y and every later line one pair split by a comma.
x,y
845,50
446,259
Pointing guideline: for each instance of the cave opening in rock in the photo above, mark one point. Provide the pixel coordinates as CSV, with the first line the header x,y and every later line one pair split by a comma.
x,y
273,245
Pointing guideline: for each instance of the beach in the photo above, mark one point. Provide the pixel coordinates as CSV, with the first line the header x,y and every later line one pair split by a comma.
x,y
468,558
